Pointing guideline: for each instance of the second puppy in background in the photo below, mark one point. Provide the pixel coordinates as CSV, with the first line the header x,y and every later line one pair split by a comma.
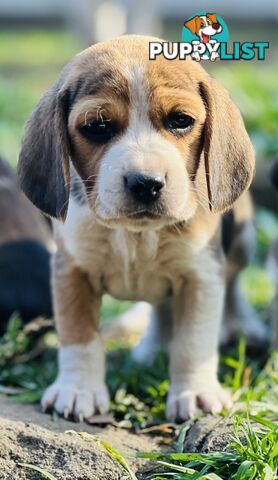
x,y
25,244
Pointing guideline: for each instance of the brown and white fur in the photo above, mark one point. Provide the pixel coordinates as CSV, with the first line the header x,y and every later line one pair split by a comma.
x,y
167,252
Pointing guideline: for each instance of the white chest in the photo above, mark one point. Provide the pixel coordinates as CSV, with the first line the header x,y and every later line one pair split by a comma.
x,y
127,265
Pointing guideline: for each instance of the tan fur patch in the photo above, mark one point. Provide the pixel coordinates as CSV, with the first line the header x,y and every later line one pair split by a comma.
x,y
76,304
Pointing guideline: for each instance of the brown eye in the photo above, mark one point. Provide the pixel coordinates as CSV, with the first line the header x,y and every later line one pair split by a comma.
x,y
178,123
99,131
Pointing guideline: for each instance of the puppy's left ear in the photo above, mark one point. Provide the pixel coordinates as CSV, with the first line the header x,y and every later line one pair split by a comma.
x,y
228,153
43,167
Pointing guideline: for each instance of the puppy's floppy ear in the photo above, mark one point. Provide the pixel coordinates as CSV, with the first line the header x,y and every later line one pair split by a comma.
x,y
228,153
192,25
43,166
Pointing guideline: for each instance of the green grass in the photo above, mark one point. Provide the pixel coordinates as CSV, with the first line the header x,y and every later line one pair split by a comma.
x,y
136,404
251,455
30,61
252,87
35,48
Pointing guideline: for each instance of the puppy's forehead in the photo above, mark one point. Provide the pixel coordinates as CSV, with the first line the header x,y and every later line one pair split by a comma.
x,y
122,66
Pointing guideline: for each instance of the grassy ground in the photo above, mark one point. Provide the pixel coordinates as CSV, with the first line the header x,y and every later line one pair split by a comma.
x,y
27,367
29,62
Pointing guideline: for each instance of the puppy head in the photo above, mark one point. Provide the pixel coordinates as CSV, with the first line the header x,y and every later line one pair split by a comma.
x,y
138,133
206,24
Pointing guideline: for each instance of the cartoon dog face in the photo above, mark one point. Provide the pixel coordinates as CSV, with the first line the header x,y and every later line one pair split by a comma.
x,y
136,133
205,26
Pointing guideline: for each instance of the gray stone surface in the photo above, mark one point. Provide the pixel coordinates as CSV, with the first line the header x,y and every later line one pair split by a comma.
x,y
28,436
210,433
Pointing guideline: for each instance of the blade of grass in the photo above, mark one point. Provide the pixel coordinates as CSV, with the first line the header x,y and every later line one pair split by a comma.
x,y
111,450
204,458
183,431
120,459
246,470
180,468
38,469
263,421
241,364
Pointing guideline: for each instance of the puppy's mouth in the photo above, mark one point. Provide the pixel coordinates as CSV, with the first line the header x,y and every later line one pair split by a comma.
x,y
205,38
134,219
144,215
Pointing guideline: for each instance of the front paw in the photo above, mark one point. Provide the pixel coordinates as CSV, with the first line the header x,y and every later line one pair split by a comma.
x,y
185,401
74,399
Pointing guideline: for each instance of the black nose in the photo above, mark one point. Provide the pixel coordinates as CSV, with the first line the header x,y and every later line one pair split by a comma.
x,y
216,26
143,188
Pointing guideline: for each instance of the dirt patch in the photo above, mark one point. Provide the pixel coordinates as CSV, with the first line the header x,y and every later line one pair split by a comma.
x,y
28,436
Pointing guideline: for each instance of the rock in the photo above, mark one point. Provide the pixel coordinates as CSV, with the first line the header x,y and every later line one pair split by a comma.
x,y
210,434
28,436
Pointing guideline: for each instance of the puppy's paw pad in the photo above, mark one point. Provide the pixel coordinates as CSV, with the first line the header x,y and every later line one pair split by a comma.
x,y
185,403
81,403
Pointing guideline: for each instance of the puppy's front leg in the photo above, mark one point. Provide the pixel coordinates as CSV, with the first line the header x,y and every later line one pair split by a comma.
x,y
80,387
193,350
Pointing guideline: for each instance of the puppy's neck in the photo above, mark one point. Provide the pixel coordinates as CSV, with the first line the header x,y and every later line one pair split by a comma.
x,y
132,245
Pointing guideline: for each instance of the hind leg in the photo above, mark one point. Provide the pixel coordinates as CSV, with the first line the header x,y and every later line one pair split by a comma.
x,y
157,335
239,315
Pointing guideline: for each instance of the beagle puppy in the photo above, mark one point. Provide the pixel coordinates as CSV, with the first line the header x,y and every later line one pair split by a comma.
x,y
136,160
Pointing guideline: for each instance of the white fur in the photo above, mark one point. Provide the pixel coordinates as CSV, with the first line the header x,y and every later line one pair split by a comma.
x,y
79,389
193,357
125,244
152,342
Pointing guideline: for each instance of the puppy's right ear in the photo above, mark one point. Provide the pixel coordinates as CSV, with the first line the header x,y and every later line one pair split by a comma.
x,y
43,166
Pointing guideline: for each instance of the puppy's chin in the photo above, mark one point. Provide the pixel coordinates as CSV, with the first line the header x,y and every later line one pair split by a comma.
x,y
142,221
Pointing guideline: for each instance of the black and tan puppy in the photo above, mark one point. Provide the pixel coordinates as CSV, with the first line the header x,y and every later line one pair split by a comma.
x,y
136,160
25,239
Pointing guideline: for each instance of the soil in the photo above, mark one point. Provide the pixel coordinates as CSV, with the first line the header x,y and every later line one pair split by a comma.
x,y
28,436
